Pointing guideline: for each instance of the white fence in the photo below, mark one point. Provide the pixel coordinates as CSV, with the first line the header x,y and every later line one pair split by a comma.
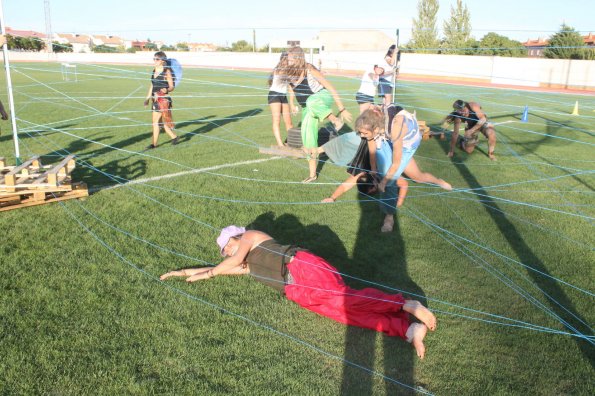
x,y
528,72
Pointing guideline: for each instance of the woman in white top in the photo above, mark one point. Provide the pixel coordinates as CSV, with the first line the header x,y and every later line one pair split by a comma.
x,y
385,86
278,99
367,89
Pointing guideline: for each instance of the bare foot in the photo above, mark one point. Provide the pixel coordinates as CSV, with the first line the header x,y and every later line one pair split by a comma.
x,y
416,309
310,179
444,185
492,156
415,335
389,223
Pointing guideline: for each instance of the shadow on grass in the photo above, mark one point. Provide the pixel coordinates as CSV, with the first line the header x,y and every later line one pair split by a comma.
x,y
380,257
117,168
377,257
208,126
525,255
552,129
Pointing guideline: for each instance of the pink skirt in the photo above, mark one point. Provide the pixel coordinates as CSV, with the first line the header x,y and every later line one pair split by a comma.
x,y
318,287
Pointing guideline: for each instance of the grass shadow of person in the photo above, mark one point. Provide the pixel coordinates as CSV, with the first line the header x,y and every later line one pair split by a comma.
x,y
564,307
379,257
211,125
360,344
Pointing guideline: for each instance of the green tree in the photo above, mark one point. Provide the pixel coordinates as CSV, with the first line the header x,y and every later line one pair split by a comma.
x,y
495,44
57,47
165,47
566,44
424,35
182,47
241,46
457,30
103,49
151,46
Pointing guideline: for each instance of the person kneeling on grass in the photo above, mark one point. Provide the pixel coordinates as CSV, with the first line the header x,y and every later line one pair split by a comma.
x,y
314,284
476,120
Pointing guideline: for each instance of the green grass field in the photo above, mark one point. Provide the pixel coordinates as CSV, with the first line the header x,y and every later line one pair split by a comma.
x,y
82,310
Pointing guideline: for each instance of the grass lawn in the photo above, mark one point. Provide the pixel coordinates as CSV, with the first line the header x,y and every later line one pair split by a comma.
x,y
506,260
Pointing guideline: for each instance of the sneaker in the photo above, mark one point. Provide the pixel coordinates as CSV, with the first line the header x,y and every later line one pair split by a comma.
x,y
175,141
151,146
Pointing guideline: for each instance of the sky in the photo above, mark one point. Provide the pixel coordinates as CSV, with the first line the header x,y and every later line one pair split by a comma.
x,y
223,22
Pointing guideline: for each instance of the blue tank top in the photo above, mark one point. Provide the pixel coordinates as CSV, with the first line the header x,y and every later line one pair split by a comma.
x,y
412,138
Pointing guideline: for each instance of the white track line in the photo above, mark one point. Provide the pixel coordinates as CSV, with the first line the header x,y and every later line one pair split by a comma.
x,y
169,176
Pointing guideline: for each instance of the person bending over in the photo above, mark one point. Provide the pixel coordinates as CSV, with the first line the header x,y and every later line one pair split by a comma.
x,y
472,114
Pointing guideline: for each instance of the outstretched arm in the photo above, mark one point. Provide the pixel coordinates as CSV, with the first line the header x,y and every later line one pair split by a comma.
x,y
454,137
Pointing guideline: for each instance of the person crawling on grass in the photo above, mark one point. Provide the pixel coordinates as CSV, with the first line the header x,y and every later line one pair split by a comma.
x,y
477,121
314,284
393,137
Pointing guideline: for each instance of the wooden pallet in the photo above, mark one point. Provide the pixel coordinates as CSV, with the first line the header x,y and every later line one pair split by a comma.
x,y
427,133
31,183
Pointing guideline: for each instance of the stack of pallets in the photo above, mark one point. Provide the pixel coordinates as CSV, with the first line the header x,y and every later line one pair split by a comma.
x,y
31,183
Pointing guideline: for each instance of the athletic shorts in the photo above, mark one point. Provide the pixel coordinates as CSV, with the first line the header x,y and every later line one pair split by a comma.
x,y
384,87
277,97
361,98
155,105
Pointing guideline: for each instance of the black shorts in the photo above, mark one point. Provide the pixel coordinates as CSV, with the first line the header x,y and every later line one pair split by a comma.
x,y
385,87
277,97
361,98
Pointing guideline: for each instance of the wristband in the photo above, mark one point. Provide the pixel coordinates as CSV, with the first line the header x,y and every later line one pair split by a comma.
x,y
342,110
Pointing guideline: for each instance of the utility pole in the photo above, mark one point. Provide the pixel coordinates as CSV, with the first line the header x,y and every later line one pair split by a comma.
x,y
13,119
253,40
48,27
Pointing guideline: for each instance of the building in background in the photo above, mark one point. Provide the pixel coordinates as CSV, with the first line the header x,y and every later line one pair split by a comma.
x,y
108,41
80,42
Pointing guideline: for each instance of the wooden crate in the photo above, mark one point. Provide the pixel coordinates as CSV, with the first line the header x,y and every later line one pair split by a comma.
x,y
427,133
31,183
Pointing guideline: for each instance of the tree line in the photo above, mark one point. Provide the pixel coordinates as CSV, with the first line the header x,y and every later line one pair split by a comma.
x,y
564,44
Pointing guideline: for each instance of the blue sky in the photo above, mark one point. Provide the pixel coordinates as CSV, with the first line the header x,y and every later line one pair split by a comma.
x,y
222,22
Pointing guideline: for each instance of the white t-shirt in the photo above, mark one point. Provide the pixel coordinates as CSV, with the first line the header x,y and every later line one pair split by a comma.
x,y
388,70
368,85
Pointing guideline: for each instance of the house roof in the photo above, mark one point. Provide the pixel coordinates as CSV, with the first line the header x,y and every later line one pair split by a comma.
x,y
536,43
25,33
115,40
589,39
75,38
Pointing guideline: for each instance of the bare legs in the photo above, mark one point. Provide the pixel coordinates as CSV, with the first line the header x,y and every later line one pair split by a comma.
x,y
365,106
157,128
414,173
417,331
491,135
278,109
389,221
388,99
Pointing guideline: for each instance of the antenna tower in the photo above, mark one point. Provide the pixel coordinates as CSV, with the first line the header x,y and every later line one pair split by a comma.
x,y
48,27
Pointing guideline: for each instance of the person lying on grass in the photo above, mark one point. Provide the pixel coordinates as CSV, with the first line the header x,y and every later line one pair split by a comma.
x,y
314,284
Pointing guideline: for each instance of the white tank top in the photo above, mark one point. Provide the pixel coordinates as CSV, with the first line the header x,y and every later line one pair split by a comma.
x,y
368,85
278,85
